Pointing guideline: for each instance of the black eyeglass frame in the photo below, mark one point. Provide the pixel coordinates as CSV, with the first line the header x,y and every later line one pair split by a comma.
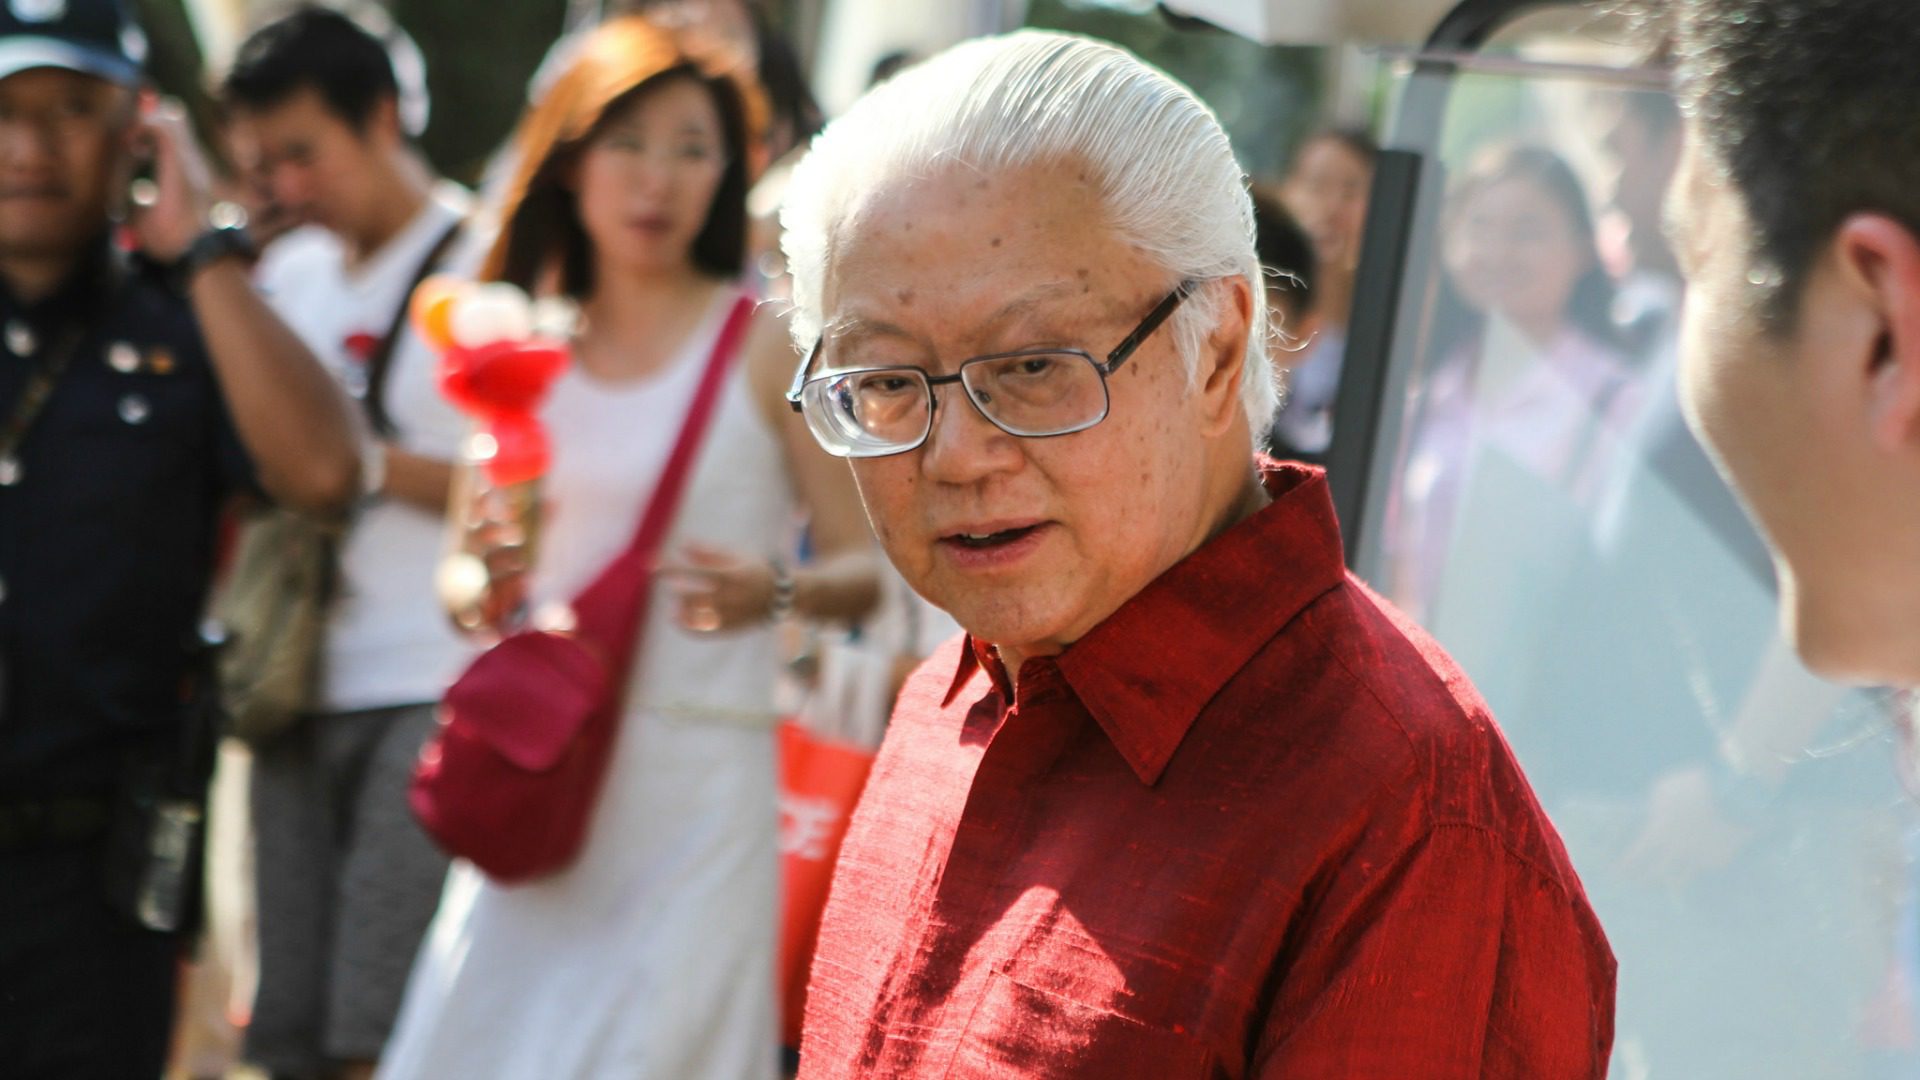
x,y
1115,357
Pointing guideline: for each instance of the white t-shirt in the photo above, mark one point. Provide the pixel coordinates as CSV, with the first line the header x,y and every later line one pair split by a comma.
x,y
389,642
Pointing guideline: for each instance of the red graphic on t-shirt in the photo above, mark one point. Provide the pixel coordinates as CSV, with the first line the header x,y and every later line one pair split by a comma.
x,y
360,346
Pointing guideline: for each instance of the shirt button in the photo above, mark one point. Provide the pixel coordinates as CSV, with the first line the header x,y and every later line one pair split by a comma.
x,y
134,409
20,339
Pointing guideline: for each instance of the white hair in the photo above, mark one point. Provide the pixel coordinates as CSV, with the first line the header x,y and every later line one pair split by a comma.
x,y
1159,158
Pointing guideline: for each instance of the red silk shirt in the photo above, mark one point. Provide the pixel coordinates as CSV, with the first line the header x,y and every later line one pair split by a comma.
x,y
1255,824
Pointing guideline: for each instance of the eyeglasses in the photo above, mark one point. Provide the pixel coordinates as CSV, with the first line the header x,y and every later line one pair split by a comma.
x,y
1033,393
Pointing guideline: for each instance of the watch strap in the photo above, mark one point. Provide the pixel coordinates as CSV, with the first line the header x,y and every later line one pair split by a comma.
x,y
214,244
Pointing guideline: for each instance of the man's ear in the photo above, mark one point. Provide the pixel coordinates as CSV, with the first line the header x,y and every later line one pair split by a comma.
x,y
383,123
1880,258
1223,358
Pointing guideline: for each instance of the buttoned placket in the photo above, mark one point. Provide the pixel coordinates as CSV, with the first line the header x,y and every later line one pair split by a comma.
x,y
1022,744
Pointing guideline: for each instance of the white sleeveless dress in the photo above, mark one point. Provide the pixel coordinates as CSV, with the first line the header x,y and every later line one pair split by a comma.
x,y
652,956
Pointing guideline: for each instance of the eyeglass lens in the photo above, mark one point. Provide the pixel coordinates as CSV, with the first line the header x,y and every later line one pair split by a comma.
x,y
887,410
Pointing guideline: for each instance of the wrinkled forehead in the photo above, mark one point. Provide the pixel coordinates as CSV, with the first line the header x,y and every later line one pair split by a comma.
x,y
970,234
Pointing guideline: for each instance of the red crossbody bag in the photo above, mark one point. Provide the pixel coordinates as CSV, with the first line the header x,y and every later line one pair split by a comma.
x,y
510,779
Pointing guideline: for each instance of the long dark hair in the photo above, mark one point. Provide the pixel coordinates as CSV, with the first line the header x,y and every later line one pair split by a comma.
x,y
618,62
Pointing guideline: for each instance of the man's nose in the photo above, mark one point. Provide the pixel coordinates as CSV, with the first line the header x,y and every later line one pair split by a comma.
x,y
27,145
963,446
289,185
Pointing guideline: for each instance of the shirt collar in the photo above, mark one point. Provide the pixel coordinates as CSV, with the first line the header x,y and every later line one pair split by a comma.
x,y
77,293
1146,671
977,655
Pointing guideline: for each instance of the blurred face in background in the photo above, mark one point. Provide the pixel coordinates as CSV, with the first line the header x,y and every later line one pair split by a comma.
x,y
645,183
62,156
1512,251
1638,157
1327,192
317,167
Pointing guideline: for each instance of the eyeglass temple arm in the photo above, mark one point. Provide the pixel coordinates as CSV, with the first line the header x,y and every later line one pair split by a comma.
x,y
1148,325
1114,359
800,378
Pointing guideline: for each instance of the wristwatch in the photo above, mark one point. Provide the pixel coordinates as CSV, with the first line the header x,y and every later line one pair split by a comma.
x,y
227,235
780,604
373,470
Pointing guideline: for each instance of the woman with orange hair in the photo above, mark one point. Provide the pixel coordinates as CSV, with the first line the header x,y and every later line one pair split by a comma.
x,y
652,954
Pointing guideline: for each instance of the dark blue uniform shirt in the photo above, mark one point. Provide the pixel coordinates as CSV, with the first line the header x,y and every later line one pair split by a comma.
x,y
107,534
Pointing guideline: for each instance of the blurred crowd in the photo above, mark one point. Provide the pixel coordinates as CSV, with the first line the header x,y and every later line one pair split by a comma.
x,y
644,184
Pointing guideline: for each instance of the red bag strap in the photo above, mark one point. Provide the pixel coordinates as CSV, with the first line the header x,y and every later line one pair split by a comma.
x,y
610,611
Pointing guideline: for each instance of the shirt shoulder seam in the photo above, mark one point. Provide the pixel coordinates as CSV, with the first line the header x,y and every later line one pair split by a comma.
x,y
1546,874
1328,646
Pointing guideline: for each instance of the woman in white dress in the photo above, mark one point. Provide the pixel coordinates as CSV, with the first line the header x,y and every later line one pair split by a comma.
x,y
653,954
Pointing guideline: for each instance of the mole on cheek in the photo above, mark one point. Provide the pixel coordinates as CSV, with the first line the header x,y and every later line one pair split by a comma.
x,y
904,296
995,241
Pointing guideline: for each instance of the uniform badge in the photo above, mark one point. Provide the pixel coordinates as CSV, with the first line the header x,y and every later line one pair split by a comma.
x,y
123,357
20,339
135,409
38,11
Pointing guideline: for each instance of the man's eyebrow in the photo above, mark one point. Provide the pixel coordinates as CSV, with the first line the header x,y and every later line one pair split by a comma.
x,y
855,327
848,328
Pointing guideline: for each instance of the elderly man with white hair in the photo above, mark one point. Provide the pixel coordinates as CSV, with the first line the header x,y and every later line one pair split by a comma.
x,y
1187,800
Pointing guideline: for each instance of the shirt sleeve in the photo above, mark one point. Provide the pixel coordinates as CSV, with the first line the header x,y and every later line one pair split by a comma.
x,y
1455,960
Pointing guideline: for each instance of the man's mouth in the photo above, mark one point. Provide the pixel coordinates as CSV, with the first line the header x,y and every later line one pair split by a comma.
x,y
991,538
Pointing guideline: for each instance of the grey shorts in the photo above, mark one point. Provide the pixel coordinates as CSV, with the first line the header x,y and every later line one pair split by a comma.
x,y
347,883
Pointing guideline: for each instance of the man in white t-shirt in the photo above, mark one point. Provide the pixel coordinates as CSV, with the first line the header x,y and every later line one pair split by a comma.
x,y
347,881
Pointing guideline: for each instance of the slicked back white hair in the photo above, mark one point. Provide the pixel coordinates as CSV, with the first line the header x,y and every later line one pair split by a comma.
x,y
1156,153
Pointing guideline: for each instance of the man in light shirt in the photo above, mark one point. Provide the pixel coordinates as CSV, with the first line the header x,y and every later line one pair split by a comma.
x,y
347,880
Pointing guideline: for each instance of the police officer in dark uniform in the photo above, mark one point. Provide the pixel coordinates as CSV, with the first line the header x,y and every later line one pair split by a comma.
x,y
142,384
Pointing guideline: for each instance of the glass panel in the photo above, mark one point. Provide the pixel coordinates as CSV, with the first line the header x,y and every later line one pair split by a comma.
x,y
1539,504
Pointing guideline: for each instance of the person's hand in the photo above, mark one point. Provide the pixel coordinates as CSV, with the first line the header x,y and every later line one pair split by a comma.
x,y
1686,833
173,211
717,590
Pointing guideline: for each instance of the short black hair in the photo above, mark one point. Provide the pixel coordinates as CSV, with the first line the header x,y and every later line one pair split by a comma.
x,y
314,48
1812,108
1285,250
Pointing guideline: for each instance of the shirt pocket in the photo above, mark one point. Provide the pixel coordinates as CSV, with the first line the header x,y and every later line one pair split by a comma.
x,y
136,441
1017,1031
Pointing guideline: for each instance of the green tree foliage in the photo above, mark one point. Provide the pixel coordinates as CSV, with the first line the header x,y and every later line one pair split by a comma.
x,y
479,57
